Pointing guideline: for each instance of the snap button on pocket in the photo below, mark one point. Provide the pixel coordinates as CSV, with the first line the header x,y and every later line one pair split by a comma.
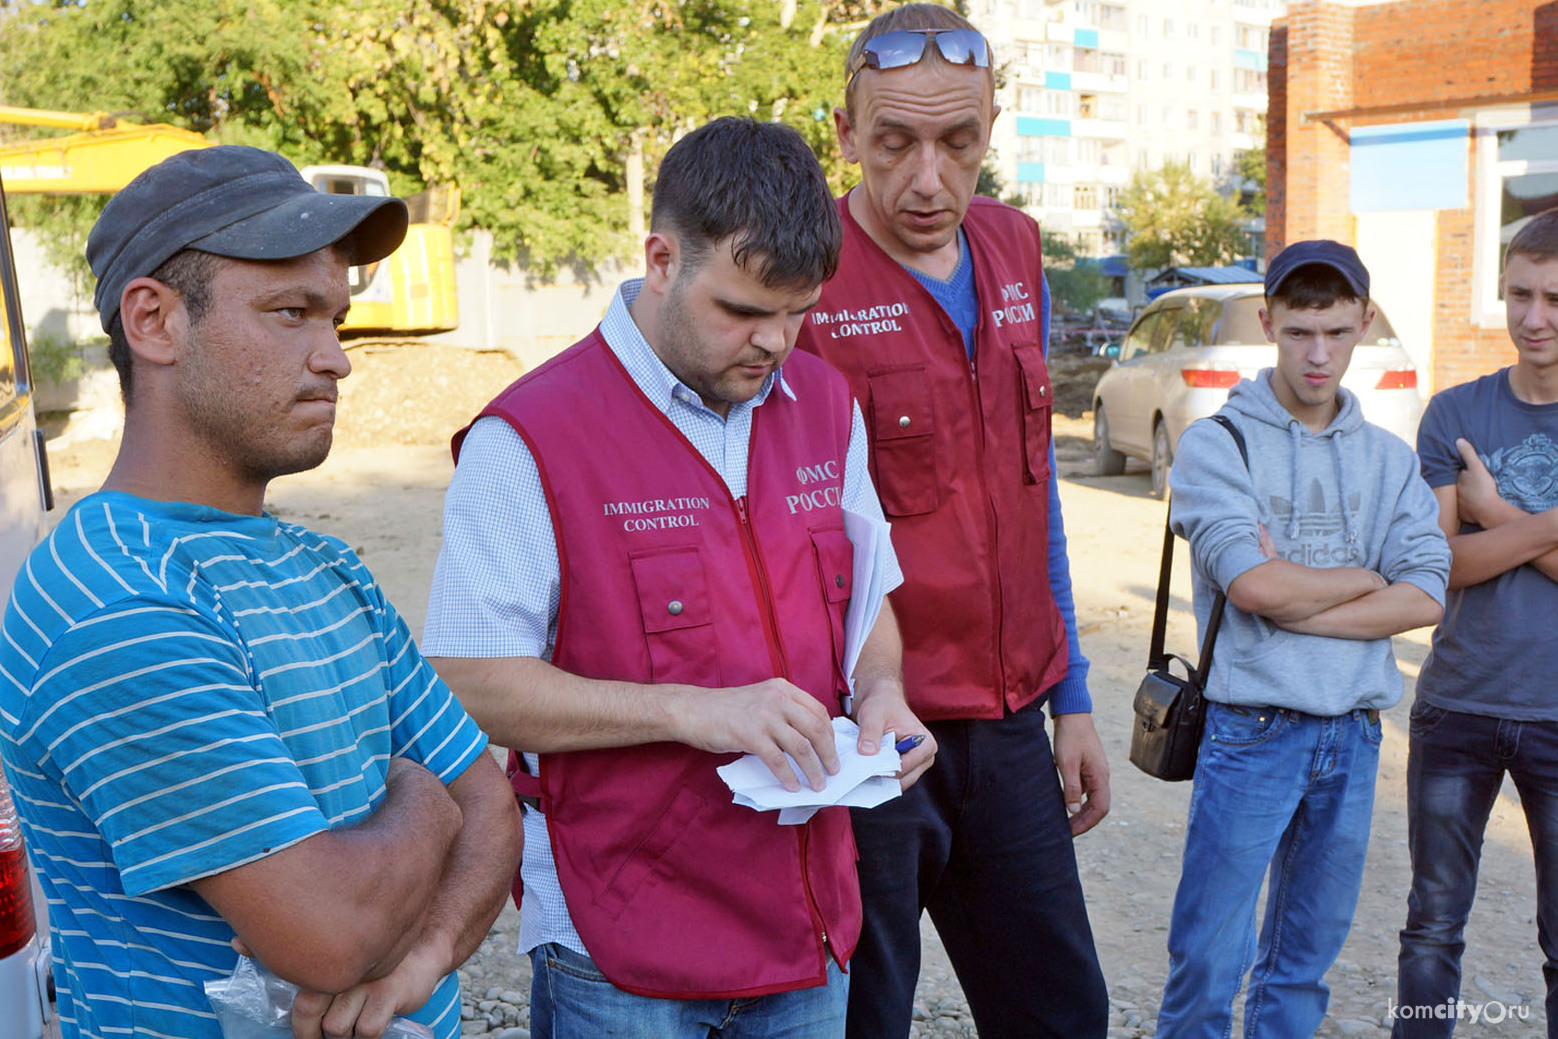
x,y
674,607
838,579
903,421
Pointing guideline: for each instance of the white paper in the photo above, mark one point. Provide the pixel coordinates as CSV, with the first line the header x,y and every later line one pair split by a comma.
x,y
861,781
870,542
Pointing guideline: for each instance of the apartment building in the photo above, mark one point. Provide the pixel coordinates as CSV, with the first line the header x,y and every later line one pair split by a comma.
x,y
1092,90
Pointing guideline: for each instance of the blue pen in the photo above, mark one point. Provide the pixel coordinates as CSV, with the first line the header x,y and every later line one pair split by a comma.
x,y
908,743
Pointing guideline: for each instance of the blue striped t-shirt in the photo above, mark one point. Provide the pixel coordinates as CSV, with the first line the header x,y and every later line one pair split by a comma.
x,y
182,691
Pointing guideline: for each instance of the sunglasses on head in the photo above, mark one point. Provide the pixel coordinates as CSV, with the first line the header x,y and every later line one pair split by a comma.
x,y
893,50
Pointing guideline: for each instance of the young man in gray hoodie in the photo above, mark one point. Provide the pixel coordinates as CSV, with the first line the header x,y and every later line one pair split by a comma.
x,y
1327,543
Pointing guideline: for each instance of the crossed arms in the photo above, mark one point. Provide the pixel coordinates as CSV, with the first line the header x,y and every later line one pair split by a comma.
x,y
1509,537
368,919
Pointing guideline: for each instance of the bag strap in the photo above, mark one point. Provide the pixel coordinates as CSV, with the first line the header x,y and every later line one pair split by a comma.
x,y
1156,657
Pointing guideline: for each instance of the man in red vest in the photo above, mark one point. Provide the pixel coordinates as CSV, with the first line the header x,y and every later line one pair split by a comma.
x,y
937,317
645,571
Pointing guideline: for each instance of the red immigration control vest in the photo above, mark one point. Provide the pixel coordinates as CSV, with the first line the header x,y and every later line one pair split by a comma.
x,y
676,891
960,457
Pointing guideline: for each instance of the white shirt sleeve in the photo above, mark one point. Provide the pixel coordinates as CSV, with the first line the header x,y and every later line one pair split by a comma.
x,y
497,581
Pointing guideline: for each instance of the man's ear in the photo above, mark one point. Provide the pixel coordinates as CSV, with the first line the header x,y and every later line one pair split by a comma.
x,y
154,320
662,261
845,128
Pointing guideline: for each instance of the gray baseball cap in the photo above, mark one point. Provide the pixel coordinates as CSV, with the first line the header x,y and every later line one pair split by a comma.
x,y
234,201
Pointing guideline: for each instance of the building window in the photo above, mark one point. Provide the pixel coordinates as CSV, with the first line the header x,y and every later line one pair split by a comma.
x,y
1190,74
1168,28
1192,119
1087,106
1168,116
1143,23
1168,71
1087,151
1057,196
1517,178
1030,149
1216,78
1192,31
1217,122
1111,16
1084,60
1141,69
1085,197
1112,63
1249,81
1244,120
1058,103
1111,107
1087,11
1217,35
1142,118
1035,55
1217,165
1112,194
1057,56
1033,10
1057,151
1249,38
1030,99
1190,161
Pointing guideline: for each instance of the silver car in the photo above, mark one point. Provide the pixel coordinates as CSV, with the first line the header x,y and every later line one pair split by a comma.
x,y
1190,346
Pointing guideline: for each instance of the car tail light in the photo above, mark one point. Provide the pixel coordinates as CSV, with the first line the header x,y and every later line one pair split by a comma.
x,y
1208,377
17,924
1398,379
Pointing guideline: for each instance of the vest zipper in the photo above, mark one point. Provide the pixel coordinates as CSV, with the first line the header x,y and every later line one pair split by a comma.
x,y
766,597
992,519
811,899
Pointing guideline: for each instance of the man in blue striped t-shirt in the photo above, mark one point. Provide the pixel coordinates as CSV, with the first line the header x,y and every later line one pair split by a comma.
x,y
218,731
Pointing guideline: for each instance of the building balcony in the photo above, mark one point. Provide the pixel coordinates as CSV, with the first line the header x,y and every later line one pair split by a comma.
x,y
1099,82
1104,129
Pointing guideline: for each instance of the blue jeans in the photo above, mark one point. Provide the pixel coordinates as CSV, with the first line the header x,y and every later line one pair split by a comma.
x,y
1293,792
571,999
984,843
1455,767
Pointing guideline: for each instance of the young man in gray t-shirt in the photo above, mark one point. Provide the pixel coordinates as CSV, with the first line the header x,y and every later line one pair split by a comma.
x,y
1489,450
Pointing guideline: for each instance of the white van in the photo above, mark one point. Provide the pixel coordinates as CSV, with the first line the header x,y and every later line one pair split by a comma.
x,y
25,495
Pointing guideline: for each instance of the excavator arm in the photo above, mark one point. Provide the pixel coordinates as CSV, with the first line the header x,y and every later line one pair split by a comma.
x,y
102,158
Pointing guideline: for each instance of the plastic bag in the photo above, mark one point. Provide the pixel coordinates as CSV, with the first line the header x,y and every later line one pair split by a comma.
x,y
252,1003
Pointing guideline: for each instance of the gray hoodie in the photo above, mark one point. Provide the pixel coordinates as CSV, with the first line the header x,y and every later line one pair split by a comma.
x,y
1348,496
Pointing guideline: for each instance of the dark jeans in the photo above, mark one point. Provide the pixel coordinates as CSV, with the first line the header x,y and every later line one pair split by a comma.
x,y
983,842
1454,769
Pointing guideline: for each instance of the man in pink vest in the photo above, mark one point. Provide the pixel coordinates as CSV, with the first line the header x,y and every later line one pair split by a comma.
x,y
937,317
645,571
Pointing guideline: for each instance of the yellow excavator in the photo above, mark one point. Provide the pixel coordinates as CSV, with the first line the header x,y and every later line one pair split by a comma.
x,y
411,292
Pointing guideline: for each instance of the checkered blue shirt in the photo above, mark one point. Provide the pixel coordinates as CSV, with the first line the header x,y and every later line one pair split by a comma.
x,y
497,581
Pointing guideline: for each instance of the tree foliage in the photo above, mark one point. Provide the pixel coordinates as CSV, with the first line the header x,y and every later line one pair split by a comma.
x,y
1175,218
1076,282
531,106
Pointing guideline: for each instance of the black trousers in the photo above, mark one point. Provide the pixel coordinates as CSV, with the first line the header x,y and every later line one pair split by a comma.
x,y
983,842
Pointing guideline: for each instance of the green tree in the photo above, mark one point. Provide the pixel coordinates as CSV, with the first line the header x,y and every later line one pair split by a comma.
x,y
1176,218
1250,170
547,113
1076,282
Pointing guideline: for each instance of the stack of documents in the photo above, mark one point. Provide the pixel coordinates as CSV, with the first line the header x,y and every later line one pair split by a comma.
x,y
866,593
861,782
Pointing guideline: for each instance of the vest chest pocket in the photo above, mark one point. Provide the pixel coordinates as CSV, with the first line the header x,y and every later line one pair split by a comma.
x,y
903,441
1037,405
835,569
673,598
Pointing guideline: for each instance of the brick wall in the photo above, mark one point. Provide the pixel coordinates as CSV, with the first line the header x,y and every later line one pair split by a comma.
x,y
1325,56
